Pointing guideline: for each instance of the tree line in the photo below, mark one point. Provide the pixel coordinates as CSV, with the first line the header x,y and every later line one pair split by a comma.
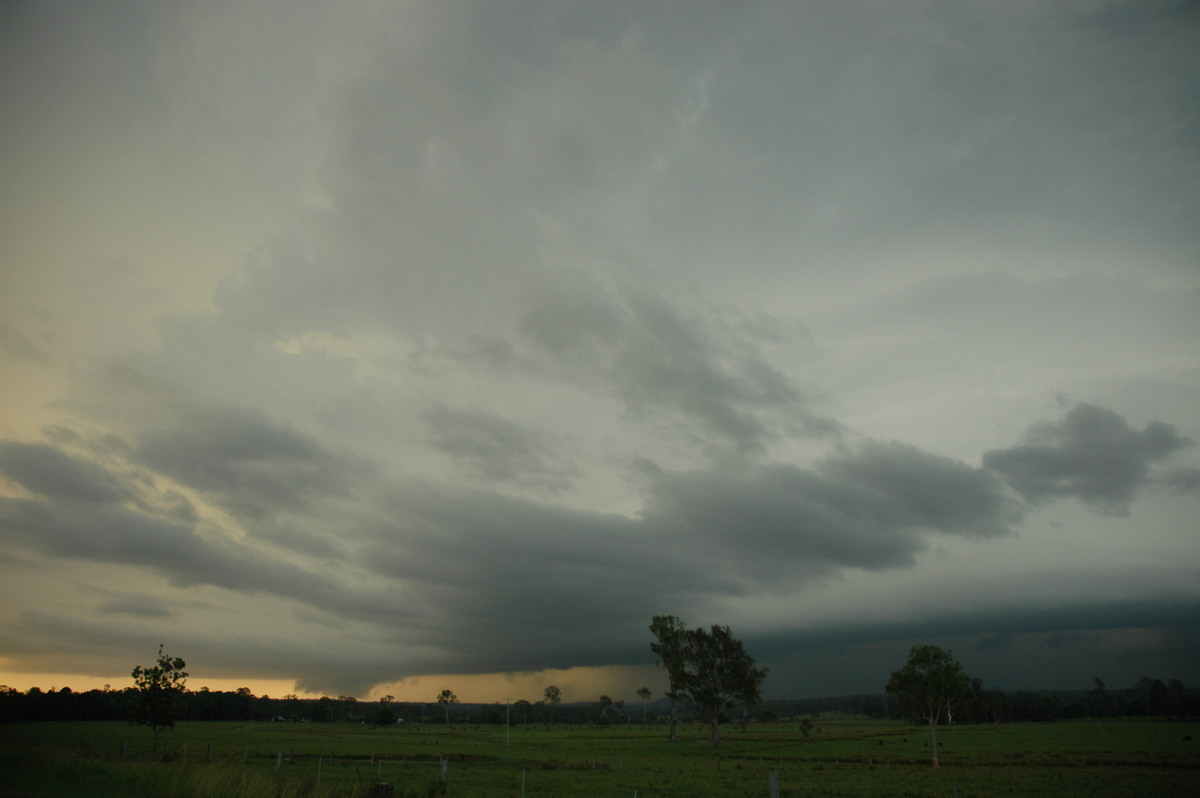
x,y
710,677
1143,699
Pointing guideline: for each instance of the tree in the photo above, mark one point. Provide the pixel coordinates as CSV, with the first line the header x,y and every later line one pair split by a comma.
x,y
644,694
553,697
446,698
1098,700
383,714
159,688
717,672
605,705
669,633
928,687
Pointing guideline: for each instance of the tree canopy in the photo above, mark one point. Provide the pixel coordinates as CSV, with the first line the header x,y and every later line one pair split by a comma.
x,y
160,688
718,673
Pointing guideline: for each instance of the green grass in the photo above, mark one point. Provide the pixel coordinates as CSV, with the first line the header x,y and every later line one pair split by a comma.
x,y
840,758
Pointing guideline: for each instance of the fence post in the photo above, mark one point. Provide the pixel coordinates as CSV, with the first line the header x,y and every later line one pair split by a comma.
x,y
279,761
773,783
442,765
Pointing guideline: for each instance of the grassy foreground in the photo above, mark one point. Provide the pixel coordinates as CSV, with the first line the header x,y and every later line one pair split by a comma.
x,y
840,758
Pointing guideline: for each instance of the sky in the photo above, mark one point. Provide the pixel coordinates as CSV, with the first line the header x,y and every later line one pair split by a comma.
x,y
385,347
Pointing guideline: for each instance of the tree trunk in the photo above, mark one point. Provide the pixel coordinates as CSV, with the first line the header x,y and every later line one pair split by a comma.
x,y
933,741
716,731
673,738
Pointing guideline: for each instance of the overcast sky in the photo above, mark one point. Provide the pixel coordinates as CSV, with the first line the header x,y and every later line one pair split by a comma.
x,y
385,347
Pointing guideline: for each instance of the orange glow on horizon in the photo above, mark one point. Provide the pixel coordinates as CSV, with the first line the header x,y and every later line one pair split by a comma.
x,y
620,682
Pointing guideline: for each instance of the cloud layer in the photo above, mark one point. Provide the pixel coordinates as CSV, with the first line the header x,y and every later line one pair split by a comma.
x,y
430,338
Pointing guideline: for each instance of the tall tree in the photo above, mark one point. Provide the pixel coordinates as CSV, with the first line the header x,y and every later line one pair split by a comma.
x,y
644,694
717,673
929,686
605,705
1097,699
669,633
446,698
553,697
160,688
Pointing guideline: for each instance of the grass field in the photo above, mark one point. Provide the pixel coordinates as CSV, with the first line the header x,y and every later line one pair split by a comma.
x,y
841,758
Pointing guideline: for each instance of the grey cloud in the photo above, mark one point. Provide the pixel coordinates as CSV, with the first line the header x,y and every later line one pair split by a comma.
x,y
660,360
112,533
116,534
1051,319
143,607
927,490
1092,454
533,585
250,464
497,450
48,471
868,508
1182,480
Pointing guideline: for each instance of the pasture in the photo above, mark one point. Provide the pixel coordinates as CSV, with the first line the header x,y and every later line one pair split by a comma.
x,y
838,758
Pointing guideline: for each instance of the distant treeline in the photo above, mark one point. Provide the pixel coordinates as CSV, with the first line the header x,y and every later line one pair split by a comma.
x,y
1148,698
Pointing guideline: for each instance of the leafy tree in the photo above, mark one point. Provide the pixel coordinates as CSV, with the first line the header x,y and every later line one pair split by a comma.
x,y
522,707
717,672
159,687
644,694
669,633
446,698
928,687
553,697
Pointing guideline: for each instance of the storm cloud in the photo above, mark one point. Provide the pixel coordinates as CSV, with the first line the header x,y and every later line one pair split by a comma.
x,y
345,347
